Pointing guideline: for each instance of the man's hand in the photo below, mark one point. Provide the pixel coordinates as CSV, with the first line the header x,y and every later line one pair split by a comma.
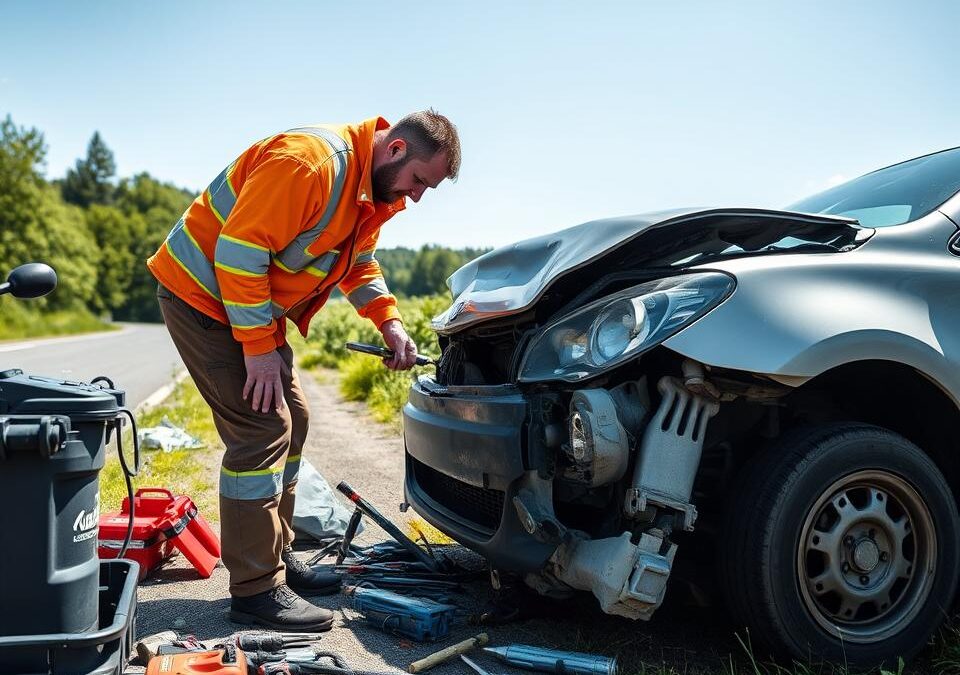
x,y
404,349
263,379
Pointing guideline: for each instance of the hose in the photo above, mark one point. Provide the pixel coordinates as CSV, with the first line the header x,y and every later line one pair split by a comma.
x,y
128,474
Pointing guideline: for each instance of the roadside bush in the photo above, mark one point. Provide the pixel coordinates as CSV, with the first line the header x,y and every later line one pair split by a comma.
x,y
365,378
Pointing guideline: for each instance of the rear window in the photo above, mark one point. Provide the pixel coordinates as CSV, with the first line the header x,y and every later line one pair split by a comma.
x,y
894,195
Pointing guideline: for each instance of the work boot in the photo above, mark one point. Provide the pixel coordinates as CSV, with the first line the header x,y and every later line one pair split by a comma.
x,y
280,608
308,580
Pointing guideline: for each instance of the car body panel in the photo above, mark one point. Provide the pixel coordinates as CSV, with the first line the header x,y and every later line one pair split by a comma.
x,y
511,279
807,313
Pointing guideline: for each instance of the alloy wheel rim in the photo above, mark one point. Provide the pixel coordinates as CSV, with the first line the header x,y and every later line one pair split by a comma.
x,y
866,556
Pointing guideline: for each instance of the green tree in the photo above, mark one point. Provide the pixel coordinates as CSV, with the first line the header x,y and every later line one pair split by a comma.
x,y
155,208
431,267
22,153
117,235
90,182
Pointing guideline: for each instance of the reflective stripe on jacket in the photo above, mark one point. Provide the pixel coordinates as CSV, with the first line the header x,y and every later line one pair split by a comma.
x,y
274,232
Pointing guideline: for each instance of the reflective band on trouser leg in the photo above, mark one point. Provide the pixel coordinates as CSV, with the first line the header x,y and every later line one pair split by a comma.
x,y
259,484
291,470
367,292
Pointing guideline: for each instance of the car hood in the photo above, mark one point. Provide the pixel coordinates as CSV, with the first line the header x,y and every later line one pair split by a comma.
x,y
511,279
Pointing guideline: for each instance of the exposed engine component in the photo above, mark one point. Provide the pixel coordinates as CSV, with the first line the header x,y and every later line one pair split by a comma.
x,y
670,452
602,428
628,579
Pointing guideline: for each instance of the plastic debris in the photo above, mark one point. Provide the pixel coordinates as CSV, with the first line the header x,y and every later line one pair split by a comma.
x,y
167,437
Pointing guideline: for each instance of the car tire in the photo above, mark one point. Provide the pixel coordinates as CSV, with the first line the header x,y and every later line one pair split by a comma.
x,y
841,544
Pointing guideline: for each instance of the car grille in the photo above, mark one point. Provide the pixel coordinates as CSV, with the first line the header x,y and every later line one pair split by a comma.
x,y
478,505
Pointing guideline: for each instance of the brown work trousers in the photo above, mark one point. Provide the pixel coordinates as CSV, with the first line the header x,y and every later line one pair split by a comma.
x,y
258,476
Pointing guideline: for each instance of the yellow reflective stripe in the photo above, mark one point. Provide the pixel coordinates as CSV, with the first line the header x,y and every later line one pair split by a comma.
x,y
213,209
255,472
186,268
276,261
320,274
250,485
243,243
238,271
231,303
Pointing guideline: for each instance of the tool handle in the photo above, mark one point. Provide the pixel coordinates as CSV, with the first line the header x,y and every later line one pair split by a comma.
x,y
448,653
383,352
388,527
349,534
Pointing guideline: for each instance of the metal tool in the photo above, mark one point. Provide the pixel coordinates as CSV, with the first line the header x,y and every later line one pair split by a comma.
x,y
266,641
473,665
388,527
383,352
554,661
349,534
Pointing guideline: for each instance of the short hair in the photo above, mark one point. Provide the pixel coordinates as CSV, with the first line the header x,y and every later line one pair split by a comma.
x,y
428,132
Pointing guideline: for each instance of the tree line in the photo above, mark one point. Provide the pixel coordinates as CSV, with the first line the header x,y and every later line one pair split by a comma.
x,y
97,230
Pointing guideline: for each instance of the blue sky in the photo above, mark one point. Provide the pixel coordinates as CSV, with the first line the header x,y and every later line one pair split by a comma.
x,y
567,111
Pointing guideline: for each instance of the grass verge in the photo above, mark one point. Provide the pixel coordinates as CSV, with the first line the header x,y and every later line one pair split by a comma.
x,y
186,472
21,323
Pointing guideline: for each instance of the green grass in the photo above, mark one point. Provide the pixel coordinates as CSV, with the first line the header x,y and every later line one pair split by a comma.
x,y
180,471
365,378
21,322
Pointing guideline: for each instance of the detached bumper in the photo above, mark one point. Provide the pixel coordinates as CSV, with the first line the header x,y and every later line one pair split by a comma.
x,y
465,457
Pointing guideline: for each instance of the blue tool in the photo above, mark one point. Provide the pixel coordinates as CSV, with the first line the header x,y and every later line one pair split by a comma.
x,y
417,618
554,661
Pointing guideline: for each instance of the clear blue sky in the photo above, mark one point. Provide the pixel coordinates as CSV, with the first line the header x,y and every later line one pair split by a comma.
x,y
567,111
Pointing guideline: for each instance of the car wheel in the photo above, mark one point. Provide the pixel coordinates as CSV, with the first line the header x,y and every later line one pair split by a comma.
x,y
841,543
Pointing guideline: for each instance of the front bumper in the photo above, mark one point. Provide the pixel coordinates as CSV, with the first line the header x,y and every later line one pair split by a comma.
x,y
465,462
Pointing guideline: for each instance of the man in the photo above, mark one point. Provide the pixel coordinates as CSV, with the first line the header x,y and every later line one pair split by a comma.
x,y
295,215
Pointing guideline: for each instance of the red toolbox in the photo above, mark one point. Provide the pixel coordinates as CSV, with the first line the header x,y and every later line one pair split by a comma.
x,y
162,523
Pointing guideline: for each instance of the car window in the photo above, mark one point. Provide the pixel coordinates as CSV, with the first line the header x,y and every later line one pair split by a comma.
x,y
894,195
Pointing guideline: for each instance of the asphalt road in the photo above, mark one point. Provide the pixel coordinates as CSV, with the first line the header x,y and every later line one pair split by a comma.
x,y
139,358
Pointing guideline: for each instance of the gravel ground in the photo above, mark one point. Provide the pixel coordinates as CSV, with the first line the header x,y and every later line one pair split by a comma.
x,y
345,444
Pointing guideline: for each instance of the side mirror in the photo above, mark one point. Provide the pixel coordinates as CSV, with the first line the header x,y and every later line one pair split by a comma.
x,y
32,280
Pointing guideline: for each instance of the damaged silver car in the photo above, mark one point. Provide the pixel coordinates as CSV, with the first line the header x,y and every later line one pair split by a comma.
x,y
771,395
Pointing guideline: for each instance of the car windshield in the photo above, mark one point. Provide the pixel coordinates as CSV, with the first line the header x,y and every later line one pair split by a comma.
x,y
894,195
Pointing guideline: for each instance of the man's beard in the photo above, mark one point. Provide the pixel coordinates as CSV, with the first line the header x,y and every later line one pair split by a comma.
x,y
384,179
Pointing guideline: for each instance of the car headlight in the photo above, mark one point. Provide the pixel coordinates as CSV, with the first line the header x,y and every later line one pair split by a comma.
x,y
605,333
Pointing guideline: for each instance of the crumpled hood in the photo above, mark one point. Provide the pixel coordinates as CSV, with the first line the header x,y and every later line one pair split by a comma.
x,y
511,279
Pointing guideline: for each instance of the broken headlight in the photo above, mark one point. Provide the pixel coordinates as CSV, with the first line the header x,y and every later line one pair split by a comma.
x,y
607,332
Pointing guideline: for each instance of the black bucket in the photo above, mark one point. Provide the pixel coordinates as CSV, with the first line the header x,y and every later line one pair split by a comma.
x,y
52,435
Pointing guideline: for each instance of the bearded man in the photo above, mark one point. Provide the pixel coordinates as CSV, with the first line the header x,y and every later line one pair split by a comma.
x,y
293,217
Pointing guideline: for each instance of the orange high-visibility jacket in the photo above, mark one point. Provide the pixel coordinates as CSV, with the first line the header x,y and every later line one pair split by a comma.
x,y
272,235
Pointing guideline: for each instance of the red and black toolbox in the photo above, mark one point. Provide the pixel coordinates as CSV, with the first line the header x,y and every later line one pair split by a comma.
x,y
162,523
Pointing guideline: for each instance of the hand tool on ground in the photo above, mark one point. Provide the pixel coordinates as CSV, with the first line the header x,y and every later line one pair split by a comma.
x,y
473,665
417,618
554,661
268,641
383,352
349,534
391,529
450,652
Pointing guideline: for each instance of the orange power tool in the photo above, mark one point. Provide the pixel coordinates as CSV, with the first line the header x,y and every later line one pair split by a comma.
x,y
230,661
